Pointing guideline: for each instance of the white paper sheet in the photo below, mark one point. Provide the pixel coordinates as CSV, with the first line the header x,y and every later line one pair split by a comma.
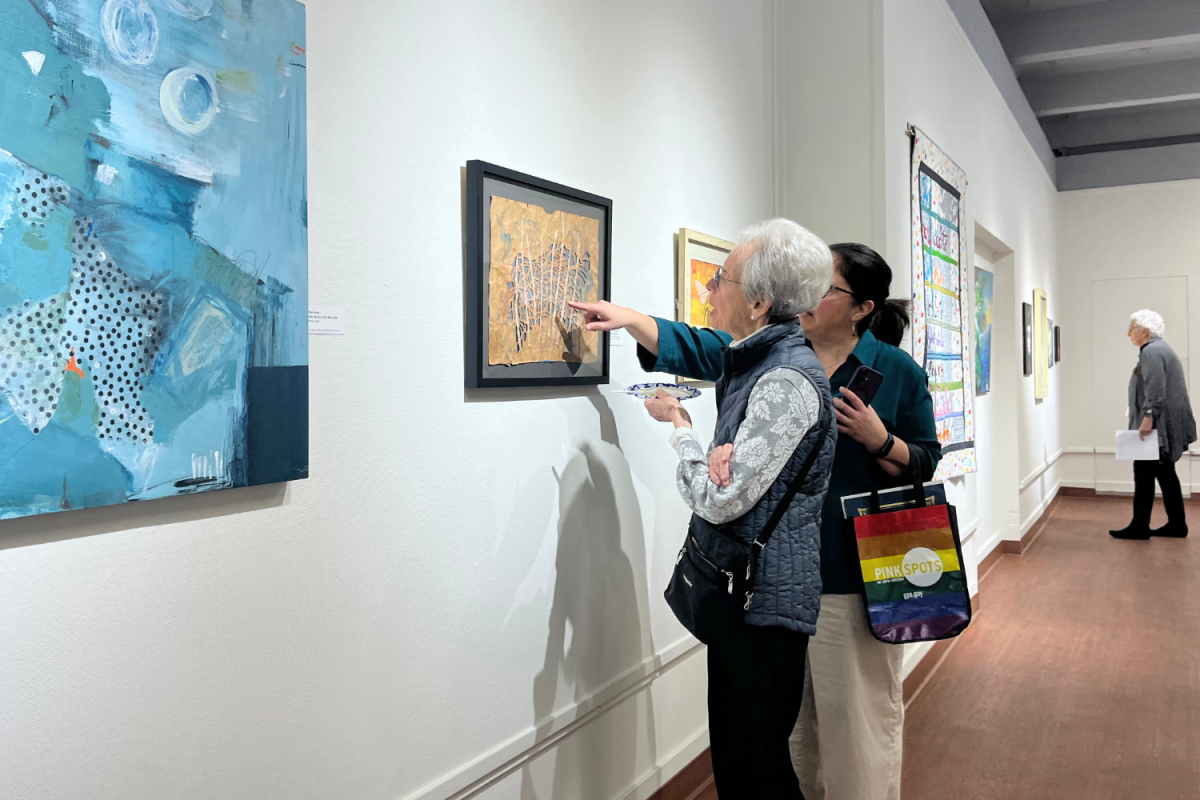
x,y
1131,447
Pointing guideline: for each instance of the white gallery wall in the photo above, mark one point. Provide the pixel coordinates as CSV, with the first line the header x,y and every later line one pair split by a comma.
x,y
934,79
1120,250
467,593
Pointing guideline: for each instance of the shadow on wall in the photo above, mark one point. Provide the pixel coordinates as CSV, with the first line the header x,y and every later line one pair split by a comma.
x,y
600,619
67,525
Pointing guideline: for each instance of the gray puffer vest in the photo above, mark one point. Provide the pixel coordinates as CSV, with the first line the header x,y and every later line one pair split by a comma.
x,y
787,591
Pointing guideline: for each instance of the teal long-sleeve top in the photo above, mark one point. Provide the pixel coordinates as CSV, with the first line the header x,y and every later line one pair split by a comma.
x,y
903,404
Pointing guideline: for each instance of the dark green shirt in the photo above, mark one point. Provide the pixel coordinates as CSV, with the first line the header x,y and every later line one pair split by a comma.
x,y
902,403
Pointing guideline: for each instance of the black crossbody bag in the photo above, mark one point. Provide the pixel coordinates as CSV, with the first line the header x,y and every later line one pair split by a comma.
x,y
713,582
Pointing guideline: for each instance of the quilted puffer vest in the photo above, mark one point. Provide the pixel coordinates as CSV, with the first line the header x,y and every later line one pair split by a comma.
x,y
788,589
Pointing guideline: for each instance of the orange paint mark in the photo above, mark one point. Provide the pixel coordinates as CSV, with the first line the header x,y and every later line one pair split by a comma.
x,y
73,366
299,49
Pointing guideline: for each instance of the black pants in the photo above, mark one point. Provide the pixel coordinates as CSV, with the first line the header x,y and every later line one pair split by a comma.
x,y
755,682
1145,473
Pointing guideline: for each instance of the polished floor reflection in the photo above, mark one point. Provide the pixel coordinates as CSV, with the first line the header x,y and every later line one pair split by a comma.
x,y
1079,679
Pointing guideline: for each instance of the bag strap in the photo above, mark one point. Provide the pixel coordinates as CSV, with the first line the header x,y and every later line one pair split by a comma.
x,y
915,454
765,536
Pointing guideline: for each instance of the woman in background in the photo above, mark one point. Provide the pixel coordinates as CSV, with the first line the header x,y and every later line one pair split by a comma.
x,y
1158,401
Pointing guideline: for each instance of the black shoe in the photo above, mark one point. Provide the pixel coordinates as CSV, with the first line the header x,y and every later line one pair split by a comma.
x,y
1171,531
1131,532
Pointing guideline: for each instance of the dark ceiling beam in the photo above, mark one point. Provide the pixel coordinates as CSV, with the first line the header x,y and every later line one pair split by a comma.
x,y
1127,87
1096,28
1109,56
1126,125
1126,168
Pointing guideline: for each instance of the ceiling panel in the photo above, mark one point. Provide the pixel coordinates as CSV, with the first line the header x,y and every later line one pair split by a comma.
x,y
1105,76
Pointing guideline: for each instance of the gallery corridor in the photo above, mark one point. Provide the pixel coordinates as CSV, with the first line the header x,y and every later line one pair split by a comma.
x,y
1078,679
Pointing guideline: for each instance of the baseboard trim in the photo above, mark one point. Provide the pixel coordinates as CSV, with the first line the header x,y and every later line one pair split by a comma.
x,y
492,767
1035,530
690,782
989,561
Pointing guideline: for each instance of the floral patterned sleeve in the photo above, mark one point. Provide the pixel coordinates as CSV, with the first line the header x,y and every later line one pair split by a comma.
x,y
783,406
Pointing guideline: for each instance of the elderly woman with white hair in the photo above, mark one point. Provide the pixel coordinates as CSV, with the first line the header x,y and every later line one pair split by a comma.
x,y
774,407
1158,401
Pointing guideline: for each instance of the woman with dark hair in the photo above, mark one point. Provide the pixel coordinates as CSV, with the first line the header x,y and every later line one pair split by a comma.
x,y
847,741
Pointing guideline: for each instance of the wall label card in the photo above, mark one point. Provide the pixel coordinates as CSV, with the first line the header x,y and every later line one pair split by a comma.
x,y
326,321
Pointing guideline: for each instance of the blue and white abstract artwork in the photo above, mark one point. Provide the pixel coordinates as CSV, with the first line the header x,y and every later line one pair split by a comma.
x,y
153,249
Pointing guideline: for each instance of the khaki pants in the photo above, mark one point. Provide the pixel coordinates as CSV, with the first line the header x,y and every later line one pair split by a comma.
x,y
848,738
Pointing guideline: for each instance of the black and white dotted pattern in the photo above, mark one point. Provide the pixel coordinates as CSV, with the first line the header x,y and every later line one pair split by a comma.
x,y
114,327
36,195
31,362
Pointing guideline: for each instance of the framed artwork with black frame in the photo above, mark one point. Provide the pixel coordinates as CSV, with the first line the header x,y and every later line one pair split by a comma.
x,y
1027,338
533,246
1057,344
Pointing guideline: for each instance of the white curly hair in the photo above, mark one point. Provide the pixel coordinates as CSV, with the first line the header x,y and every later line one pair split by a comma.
x,y
1152,321
787,265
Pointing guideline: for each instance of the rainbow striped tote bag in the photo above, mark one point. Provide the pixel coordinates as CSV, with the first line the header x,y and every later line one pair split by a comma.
x,y
912,568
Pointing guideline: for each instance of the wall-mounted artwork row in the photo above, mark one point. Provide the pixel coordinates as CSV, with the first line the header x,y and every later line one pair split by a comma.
x,y
153,250
985,283
698,256
941,334
532,247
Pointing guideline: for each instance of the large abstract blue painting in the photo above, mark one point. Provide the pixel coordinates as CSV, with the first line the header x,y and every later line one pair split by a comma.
x,y
153,249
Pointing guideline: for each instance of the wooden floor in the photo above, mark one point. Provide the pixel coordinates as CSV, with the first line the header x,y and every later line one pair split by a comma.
x,y
1080,679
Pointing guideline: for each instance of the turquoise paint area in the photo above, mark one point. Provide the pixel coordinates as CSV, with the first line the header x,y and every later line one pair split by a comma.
x,y
34,261
48,117
33,469
213,438
198,365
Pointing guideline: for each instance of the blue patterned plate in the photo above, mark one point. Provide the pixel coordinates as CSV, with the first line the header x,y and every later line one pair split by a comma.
x,y
648,390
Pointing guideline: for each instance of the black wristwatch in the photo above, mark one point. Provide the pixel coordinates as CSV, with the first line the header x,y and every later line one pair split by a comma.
x,y
887,447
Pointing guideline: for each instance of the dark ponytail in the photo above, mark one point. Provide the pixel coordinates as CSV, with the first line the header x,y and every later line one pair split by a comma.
x,y
870,278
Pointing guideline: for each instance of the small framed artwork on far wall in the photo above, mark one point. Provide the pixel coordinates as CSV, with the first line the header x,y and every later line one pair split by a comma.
x,y
1027,338
1057,344
1051,358
698,256
532,247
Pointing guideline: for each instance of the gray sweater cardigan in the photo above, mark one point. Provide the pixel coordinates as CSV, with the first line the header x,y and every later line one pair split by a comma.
x,y
1158,389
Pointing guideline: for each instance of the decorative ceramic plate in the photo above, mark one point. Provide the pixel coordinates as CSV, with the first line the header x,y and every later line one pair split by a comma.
x,y
648,390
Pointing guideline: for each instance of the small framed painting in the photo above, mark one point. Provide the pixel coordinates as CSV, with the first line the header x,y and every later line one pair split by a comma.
x,y
1057,344
1050,357
1027,338
1041,346
984,293
698,256
532,247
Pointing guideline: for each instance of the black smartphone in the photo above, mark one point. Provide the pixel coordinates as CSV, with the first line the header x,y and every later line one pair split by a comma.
x,y
865,382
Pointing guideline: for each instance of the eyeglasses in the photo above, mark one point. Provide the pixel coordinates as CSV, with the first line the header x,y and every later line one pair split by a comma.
x,y
833,289
720,276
